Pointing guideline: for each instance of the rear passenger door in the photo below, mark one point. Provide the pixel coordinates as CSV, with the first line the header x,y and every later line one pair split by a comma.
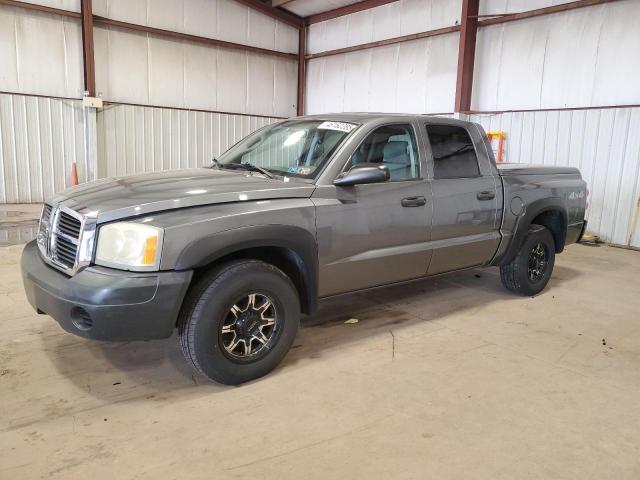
x,y
465,225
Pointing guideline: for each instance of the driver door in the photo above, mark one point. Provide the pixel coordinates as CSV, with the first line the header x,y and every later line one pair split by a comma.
x,y
375,234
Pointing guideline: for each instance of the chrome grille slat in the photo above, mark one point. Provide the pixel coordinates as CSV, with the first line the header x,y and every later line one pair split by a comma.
x,y
65,238
73,240
62,245
69,225
66,232
66,252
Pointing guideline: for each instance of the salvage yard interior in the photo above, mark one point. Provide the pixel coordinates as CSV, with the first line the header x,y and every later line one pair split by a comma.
x,y
451,376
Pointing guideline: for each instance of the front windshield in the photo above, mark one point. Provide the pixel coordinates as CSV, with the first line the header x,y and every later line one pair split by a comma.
x,y
297,148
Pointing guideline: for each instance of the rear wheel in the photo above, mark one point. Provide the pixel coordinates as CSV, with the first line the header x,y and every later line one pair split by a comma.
x,y
239,321
530,271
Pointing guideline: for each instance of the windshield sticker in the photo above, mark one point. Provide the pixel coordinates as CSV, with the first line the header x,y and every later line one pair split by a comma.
x,y
301,170
305,170
340,126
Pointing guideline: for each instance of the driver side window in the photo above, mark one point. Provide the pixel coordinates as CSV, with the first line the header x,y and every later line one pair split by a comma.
x,y
393,146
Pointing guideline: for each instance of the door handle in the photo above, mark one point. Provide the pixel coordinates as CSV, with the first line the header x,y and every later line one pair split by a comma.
x,y
414,201
486,195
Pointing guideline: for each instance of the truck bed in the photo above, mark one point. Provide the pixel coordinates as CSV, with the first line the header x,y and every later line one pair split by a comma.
x,y
510,169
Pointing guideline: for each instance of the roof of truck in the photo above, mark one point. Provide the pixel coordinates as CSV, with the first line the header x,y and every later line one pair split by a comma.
x,y
365,117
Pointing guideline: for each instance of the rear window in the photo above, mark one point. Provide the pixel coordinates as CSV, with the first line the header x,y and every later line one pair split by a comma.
x,y
454,155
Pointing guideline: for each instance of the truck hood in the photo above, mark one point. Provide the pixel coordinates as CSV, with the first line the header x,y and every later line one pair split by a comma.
x,y
116,198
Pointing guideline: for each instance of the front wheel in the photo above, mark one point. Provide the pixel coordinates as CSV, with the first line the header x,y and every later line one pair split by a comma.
x,y
530,271
239,321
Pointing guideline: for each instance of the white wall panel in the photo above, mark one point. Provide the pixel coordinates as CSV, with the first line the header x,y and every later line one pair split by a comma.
x,y
221,19
386,21
72,5
201,18
232,81
40,53
578,58
413,77
122,65
134,139
603,143
489,7
40,139
151,70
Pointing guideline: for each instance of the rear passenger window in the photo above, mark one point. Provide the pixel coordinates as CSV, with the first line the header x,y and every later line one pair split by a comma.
x,y
453,153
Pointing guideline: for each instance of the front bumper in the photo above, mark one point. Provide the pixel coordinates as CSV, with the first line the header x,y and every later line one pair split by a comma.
x,y
103,303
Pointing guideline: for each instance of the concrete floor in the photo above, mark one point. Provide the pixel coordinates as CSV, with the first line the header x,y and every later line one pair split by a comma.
x,y
449,378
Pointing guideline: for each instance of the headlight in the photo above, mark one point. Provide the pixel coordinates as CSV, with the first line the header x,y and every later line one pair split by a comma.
x,y
129,246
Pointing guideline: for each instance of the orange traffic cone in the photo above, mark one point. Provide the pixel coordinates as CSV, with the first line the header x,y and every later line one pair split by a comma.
x,y
74,174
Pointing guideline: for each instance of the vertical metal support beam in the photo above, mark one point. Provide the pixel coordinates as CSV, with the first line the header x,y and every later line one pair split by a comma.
x,y
86,11
302,68
466,54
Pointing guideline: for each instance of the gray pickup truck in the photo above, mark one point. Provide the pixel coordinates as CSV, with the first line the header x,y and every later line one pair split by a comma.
x,y
308,208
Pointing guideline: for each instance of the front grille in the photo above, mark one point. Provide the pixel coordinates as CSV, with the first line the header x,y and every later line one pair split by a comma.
x,y
66,252
69,225
59,237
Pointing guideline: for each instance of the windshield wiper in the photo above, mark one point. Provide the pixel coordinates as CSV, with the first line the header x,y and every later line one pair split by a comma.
x,y
215,163
246,166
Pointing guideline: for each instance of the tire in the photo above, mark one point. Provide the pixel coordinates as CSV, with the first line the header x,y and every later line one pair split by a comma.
x,y
517,277
214,317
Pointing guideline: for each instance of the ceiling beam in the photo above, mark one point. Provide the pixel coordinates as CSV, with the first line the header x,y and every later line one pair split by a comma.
x,y
387,41
190,38
346,10
482,22
88,56
302,69
563,7
466,54
277,13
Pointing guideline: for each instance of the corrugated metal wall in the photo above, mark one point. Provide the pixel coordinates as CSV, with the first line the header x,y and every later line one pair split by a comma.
x,y
148,69
415,77
135,139
151,70
579,58
222,19
603,143
40,138
489,7
387,21
73,5
40,53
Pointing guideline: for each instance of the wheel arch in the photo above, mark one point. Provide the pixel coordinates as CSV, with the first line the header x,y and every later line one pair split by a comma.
x,y
555,220
547,212
292,249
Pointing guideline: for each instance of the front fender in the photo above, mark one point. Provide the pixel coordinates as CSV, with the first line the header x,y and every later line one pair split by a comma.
x,y
302,243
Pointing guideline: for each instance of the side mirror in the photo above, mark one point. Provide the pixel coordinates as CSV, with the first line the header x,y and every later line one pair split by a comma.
x,y
363,173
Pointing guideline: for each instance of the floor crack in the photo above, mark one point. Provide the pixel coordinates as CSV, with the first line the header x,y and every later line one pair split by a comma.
x,y
393,345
